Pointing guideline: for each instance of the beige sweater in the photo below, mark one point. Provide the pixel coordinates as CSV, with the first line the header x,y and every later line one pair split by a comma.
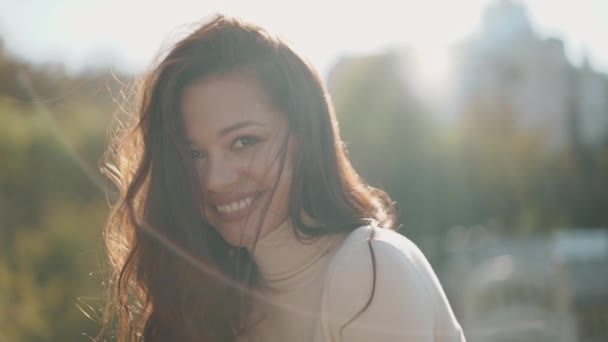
x,y
314,289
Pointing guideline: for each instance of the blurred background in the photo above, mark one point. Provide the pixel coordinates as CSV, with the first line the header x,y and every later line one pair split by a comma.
x,y
486,120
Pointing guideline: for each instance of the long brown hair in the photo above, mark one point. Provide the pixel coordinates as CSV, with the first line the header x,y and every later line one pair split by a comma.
x,y
173,276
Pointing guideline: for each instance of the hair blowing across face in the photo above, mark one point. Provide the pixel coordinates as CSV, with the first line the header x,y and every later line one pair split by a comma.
x,y
173,277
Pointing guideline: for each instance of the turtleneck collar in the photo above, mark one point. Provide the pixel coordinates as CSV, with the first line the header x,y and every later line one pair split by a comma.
x,y
281,257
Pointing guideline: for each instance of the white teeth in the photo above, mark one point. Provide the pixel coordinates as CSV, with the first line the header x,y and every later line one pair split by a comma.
x,y
236,205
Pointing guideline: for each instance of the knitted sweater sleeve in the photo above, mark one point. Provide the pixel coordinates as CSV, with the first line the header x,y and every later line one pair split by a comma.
x,y
408,302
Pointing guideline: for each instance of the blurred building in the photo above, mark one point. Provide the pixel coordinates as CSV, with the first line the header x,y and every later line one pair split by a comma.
x,y
583,255
532,288
508,66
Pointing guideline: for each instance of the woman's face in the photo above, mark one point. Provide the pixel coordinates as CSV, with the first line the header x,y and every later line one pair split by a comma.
x,y
236,136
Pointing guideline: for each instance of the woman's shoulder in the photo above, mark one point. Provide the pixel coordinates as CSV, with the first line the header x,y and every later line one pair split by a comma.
x,y
394,256
385,235
383,276
387,245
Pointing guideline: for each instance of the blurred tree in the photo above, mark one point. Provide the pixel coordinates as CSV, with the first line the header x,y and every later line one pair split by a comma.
x,y
390,136
485,169
52,202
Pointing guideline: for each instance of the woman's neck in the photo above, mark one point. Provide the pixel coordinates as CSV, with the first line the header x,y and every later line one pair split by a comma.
x,y
282,256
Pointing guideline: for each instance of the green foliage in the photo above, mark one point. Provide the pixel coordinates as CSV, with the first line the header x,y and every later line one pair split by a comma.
x,y
52,203
388,133
483,169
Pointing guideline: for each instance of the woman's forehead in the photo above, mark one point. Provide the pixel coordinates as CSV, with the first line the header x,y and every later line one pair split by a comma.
x,y
213,104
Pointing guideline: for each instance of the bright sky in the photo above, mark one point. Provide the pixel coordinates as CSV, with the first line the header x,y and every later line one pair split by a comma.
x,y
127,34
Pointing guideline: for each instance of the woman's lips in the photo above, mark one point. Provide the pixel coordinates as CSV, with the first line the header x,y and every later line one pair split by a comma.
x,y
236,210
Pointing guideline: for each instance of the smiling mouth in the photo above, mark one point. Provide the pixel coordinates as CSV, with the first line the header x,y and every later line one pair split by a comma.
x,y
235,206
236,210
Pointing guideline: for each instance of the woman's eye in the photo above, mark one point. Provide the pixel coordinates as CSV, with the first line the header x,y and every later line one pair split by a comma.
x,y
245,141
197,154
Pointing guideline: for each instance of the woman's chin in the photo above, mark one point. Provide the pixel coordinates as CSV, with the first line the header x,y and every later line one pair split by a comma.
x,y
233,235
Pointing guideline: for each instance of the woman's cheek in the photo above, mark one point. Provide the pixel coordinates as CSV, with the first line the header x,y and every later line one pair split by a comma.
x,y
260,162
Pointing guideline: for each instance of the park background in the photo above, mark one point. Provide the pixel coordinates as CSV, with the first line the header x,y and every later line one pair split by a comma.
x,y
485,120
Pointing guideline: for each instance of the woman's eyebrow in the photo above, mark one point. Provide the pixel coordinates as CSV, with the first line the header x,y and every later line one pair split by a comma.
x,y
228,130
239,125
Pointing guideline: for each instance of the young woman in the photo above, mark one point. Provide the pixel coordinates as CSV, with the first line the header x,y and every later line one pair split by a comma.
x,y
239,216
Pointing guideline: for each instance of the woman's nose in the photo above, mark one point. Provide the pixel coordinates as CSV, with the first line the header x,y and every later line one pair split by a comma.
x,y
220,175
